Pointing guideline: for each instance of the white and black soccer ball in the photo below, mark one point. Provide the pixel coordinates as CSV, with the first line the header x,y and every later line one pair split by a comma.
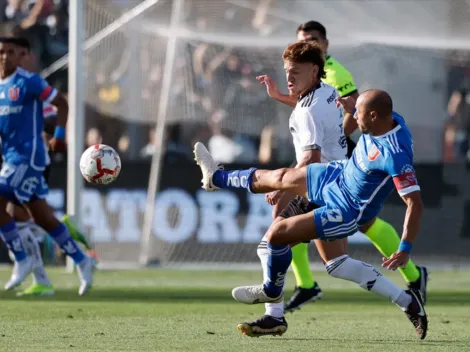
x,y
100,164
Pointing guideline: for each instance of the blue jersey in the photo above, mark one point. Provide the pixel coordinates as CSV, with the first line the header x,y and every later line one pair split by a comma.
x,y
21,118
378,165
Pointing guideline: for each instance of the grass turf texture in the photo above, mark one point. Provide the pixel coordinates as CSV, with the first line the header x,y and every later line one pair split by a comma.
x,y
163,310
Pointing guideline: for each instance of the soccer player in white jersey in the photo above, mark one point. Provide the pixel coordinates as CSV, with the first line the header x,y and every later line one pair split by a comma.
x,y
381,233
349,194
316,125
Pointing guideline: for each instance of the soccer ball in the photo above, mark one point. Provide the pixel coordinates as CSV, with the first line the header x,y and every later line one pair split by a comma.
x,y
100,164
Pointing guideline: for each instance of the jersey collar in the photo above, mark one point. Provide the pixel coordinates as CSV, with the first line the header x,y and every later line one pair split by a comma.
x,y
9,78
394,130
312,91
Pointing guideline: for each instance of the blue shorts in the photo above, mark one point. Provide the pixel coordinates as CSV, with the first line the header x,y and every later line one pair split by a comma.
x,y
335,218
22,184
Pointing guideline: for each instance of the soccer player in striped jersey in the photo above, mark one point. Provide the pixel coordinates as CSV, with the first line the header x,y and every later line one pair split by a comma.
x,y
350,194
379,232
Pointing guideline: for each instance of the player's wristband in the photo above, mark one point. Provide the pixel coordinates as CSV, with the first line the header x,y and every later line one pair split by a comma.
x,y
59,132
405,246
354,111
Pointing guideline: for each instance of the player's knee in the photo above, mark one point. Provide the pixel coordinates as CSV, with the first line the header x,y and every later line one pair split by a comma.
x,y
275,234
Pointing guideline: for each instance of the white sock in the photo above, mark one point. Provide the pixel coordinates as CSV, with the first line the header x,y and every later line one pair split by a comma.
x,y
368,278
31,246
273,309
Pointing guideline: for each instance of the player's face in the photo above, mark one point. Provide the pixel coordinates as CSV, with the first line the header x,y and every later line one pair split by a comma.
x,y
316,37
8,57
363,116
301,77
25,59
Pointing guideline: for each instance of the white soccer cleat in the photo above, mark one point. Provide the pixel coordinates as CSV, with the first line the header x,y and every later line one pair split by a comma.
x,y
20,271
85,274
208,166
254,295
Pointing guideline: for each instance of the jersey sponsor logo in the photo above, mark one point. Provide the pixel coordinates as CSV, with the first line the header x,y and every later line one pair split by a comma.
x,y
332,97
7,110
346,87
405,180
373,153
14,93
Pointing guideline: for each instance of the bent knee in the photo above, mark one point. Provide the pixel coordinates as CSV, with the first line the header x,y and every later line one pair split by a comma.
x,y
275,232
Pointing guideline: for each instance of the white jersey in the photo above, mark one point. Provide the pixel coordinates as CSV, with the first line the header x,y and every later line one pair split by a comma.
x,y
316,123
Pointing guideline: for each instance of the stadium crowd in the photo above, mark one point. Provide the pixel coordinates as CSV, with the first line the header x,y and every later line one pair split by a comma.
x,y
214,87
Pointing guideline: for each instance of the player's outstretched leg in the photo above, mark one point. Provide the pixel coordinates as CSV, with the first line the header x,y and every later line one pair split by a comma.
x,y
45,218
340,265
253,180
385,238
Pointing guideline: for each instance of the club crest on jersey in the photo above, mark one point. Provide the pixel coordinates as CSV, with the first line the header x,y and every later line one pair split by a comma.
x,y
14,93
373,153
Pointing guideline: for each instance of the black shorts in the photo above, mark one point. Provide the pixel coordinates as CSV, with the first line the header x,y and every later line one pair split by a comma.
x,y
297,206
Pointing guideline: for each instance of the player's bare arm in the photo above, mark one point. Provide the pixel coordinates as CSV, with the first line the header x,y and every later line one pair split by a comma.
x,y
273,91
57,143
414,210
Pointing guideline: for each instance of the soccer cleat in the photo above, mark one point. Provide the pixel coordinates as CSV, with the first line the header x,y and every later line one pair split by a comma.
x,y
37,290
302,296
75,233
20,271
85,273
254,295
208,166
422,283
266,325
416,313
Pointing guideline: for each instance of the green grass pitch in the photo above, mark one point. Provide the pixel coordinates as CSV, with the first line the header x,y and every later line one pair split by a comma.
x,y
164,310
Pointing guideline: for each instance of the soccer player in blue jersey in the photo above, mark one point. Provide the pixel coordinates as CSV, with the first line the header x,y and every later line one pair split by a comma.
x,y
29,231
350,194
22,94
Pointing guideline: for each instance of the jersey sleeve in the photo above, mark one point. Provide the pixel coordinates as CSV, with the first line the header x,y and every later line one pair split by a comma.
x,y
400,167
39,88
310,130
345,82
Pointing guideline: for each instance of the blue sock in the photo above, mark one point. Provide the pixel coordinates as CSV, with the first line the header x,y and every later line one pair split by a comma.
x,y
279,260
13,241
234,178
62,237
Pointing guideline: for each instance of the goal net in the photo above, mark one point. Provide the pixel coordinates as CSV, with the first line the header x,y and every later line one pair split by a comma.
x,y
412,49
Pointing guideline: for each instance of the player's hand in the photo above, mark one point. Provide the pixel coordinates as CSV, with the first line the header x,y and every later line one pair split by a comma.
x,y
348,104
397,260
271,86
273,197
57,145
